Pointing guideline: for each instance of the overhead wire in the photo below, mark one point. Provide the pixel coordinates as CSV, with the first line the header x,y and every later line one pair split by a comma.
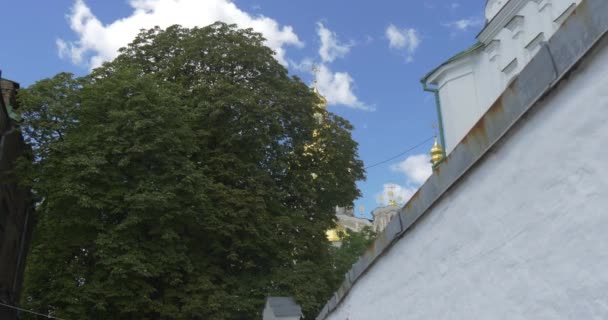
x,y
400,154
29,311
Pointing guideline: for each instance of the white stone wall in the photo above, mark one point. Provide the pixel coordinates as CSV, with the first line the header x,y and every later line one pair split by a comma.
x,y
524,235
468,87
492,8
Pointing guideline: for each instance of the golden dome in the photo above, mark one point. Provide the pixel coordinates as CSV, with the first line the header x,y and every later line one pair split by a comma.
x,y
391,197
322,101
436,153
332,235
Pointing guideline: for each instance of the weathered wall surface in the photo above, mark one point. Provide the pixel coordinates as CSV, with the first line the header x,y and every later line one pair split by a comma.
x,y
15,210
523,235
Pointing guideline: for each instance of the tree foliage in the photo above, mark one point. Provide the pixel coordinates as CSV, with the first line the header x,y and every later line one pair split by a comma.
x,y
174,185
352,247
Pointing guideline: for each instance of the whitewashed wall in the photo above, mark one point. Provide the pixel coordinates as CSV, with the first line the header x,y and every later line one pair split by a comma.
x,y
523,236
469,86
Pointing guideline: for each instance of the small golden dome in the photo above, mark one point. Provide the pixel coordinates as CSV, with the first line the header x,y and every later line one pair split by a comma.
x,y
332,235
436,153
322,101
391,197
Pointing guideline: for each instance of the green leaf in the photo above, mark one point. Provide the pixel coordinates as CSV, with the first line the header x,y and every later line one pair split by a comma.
x,y
175,185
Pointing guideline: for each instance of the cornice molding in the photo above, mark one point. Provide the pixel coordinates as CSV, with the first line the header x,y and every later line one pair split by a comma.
x,y
441,71
502,18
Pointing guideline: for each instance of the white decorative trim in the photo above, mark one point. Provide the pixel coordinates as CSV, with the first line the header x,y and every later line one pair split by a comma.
x,y
492,50
565,14
542,4
516,26
493,7
501,19
510,67
434,78
531,46
515,23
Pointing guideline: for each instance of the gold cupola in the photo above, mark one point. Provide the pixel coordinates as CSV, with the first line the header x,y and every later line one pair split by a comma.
x,y
322,104
335,234
320,113
391,199
436,153
332,235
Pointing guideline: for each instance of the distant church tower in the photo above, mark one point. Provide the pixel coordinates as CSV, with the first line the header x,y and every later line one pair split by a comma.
x,y
383,215
345,217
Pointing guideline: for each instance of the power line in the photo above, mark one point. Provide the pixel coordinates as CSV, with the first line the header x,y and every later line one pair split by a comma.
x,y
399,155
32,312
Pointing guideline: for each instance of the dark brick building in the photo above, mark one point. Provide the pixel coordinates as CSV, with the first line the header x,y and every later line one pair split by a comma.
x,y
16,211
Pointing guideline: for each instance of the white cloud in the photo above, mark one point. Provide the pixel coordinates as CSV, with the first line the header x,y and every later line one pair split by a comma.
x,y
337,88
417,168
306,65
97,42
331,48
407,39
398,193
465,24
455,5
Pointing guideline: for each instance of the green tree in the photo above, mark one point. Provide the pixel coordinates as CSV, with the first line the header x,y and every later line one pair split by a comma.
x,y
352,247
174,185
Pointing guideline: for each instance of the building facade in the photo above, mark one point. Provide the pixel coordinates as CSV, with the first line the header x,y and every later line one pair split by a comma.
x,y
470,82
511,225
383,216
16,211
346,220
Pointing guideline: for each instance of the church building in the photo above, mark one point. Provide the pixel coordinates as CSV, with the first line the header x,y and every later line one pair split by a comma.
x,y
468,83
511,224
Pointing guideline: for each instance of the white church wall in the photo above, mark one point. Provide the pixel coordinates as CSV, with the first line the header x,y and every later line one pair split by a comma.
x,y
464,99
458,84
492,8
522,236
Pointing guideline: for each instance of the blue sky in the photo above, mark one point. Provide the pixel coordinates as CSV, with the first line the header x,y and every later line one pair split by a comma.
x,y
371,55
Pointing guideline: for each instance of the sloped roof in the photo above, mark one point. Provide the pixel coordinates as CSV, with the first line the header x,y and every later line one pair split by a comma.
x,y
284,306
457,56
